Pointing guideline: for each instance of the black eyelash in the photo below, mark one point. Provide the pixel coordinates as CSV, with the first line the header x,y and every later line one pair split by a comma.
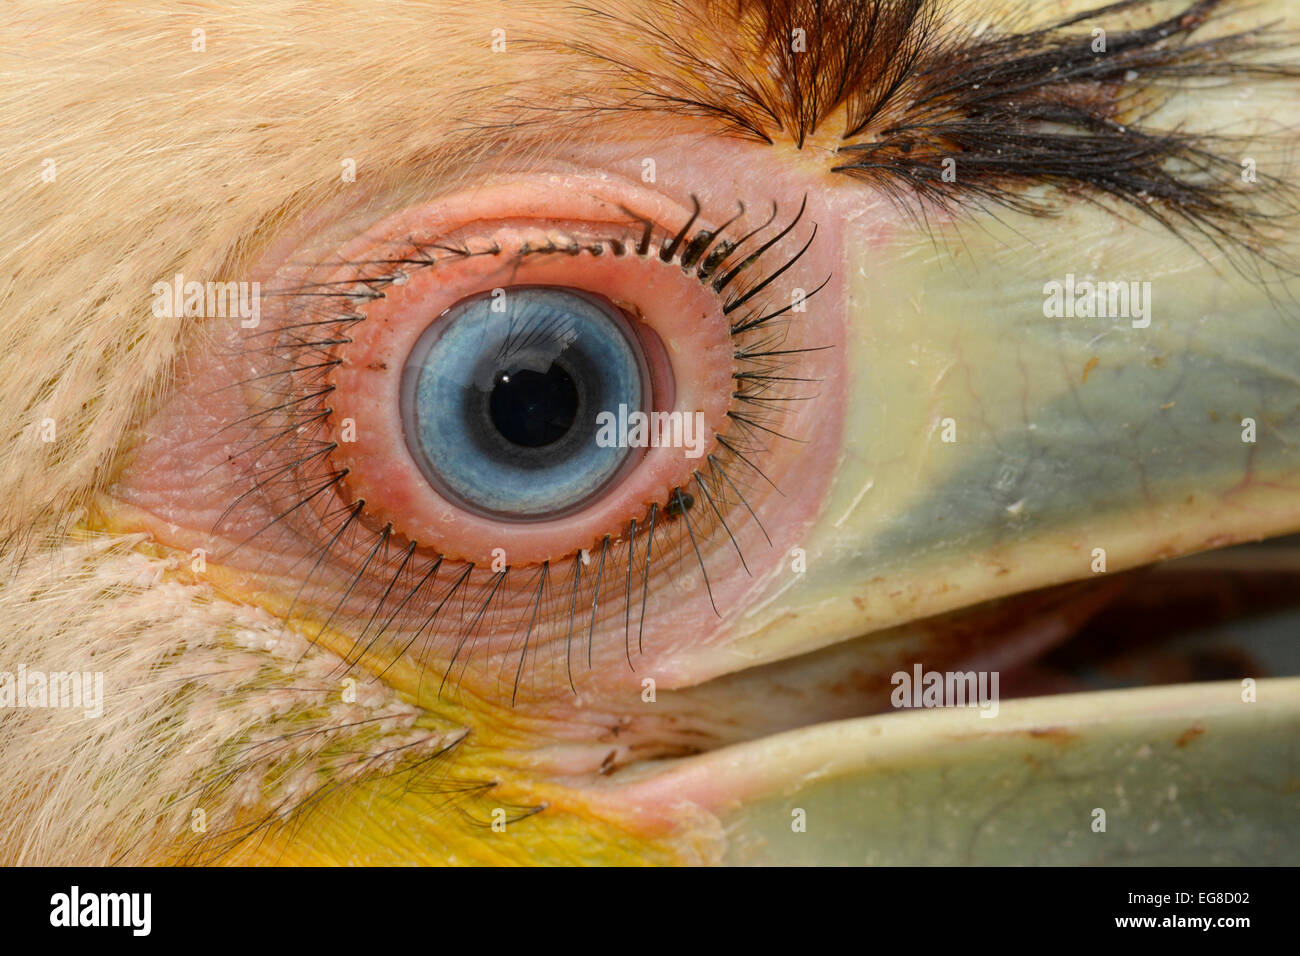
x,y
389,589
1014,110
915,87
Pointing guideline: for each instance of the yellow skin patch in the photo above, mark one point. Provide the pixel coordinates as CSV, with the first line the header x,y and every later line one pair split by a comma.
x,y
196,153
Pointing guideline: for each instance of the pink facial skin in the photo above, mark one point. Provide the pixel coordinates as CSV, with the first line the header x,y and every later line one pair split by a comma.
x,y
181,480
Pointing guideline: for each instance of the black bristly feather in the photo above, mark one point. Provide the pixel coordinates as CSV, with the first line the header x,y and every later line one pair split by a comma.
x,y
892,89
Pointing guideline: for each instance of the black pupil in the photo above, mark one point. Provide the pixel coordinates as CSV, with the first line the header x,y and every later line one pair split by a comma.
x,y
533,408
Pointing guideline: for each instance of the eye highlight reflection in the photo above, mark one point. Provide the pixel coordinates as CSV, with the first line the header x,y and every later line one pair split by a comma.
x,y
501,396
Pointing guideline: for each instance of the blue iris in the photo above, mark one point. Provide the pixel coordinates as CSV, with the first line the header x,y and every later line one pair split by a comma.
x,y
500,398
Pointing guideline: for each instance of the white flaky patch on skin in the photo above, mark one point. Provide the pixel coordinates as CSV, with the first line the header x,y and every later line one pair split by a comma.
x,y
207,706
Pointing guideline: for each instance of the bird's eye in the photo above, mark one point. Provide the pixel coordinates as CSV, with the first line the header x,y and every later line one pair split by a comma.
x,y
502,395
507,415
520,388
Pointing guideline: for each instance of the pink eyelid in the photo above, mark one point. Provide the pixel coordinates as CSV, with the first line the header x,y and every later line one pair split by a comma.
x,y
680,311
